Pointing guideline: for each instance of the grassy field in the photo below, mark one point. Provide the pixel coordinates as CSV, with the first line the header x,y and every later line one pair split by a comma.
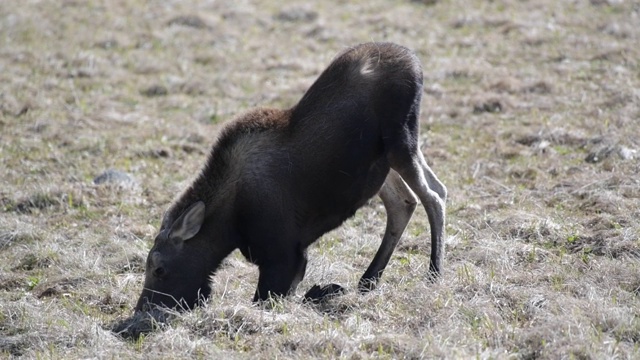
x,y
531,117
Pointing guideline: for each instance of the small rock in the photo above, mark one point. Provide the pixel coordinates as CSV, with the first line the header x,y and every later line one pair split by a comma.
x,y
192,21
543,145
626,153
113,176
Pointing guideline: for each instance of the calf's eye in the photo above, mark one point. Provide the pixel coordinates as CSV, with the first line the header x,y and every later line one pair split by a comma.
x,y
158,272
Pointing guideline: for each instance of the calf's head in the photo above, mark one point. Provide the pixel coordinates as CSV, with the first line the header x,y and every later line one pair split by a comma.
x,y
177,273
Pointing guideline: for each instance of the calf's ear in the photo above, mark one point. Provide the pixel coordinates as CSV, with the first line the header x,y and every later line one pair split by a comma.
x,y
188,224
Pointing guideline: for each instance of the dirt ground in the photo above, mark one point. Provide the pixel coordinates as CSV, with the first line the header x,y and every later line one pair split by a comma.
x,y
531,117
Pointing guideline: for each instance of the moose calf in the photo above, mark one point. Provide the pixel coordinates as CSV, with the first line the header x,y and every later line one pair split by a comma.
x,y
276,180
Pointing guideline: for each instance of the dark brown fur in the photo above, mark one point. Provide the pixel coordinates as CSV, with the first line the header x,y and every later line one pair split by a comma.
x,y
276,180
208,184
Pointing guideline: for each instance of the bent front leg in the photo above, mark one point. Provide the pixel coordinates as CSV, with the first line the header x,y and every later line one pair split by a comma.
x,y
279,277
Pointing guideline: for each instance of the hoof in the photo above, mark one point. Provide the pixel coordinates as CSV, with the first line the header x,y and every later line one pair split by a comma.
x,y
365,286
318,294
434,274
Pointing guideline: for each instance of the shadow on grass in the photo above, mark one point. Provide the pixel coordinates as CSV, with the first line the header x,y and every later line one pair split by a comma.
x,y
142,323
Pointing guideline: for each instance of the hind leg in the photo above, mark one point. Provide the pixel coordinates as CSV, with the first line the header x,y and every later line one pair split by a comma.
x,y
432,194
399,203
434,183
405,157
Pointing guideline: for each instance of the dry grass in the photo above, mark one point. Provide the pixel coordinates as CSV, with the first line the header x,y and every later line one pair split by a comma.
x,y
530,116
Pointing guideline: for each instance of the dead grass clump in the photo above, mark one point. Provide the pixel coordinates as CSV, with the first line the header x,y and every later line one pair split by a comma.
x,y
38,201
392,346
110,304
506,85
31,261
13,345
529,227
154,91
604,222
14,237
624,249
547,341
539,87
242,321
11,283
57,288
132,264
557,136
593,203
515,86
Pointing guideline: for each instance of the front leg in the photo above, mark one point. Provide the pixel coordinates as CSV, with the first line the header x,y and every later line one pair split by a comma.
x,y
280,276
